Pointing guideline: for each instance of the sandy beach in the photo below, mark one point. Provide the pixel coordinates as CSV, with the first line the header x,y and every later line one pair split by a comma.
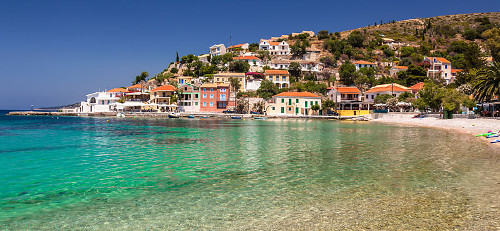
x,y
462,125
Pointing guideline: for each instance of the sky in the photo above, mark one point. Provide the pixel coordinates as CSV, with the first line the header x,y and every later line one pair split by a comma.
x,y
55,52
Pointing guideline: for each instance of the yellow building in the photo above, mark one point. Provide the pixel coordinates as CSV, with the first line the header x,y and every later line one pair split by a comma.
x,y
281,78
294,103
225,78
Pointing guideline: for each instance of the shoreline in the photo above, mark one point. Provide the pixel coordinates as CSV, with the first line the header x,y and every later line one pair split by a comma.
x,y
461,125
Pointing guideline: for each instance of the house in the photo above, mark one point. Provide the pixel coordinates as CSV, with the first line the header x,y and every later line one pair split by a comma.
x,y
161,97
344,94
275,48
226,78
218,49
239,49
204,58
253,79
394,70
439,68
348,101
417,87
362,64
488,60
293,103
101,101
215,97
393,89
183,79
137,93
304,64
279,77
455,72
252,60
188,99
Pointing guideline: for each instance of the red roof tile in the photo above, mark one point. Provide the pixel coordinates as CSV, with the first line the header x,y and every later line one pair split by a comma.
x,y
364,62
348,89
135,86
246,58
401,67
165,88
276,72
440,59
118,90
417,86
386,88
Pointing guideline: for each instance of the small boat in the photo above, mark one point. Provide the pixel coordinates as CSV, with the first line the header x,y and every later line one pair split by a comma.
x,y
260,118
120,115
173,116
191,116
236,117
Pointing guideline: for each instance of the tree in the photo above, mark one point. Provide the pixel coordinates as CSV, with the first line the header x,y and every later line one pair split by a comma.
x,y
142,77
163,77
299,47
267,89
239,66
404,96
324,34
413,75
431,96
189,58
315,108
235,84
177,58
392,102
264,56
356,39
174,70
492,37
487,84
252,47
347,73
328,104
406,51
295,70
382,98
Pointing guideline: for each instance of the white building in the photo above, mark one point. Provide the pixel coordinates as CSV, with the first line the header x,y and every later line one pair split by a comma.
x,y
440,68
393,89
293,103
275,48
104,101
363,64
218,49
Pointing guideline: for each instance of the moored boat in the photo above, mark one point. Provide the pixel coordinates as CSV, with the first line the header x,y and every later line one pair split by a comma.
x,y
236,117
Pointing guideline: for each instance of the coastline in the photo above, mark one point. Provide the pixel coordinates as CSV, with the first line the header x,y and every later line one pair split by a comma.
x,y
461,125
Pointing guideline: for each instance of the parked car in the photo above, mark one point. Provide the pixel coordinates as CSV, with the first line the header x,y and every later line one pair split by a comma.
x,y
331,113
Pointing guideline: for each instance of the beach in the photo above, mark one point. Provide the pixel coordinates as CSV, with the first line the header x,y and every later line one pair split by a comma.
x,y
462,125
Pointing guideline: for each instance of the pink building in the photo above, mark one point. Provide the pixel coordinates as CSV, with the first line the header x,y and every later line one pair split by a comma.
x,y
215,97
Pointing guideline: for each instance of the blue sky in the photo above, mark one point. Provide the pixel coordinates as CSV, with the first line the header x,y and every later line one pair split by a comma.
x,y
54,52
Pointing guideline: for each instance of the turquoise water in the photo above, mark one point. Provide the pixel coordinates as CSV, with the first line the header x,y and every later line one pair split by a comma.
x,y
108,173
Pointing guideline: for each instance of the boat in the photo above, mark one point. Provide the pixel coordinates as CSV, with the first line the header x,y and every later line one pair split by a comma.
x,y
190,116
236,117
120,115
260,118
173,115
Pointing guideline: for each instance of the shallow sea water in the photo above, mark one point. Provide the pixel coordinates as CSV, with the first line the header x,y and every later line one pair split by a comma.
x,y
155,174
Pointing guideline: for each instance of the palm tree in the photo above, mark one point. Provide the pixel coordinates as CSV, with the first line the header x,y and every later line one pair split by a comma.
x,y
487,84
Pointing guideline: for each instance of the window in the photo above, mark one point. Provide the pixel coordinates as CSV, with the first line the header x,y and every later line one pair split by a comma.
x,y
283,78
312,103
211,89
204,96
217,80
108,101
204,90
305,102
273,108
316,103
296,100
282,100
289,101
445,74
223,90
195,103
211,104
289,108
204,104
445,66
211,96
282,110
223,97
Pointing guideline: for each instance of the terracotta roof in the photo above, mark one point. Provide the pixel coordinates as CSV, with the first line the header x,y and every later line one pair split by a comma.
x,y
246,57
231,74
274,43
297,94
440,59
118,90
215,85
364,62
234,46
135,86
456,70
348,89
417,86
401,67
165,88
387,87
276,72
